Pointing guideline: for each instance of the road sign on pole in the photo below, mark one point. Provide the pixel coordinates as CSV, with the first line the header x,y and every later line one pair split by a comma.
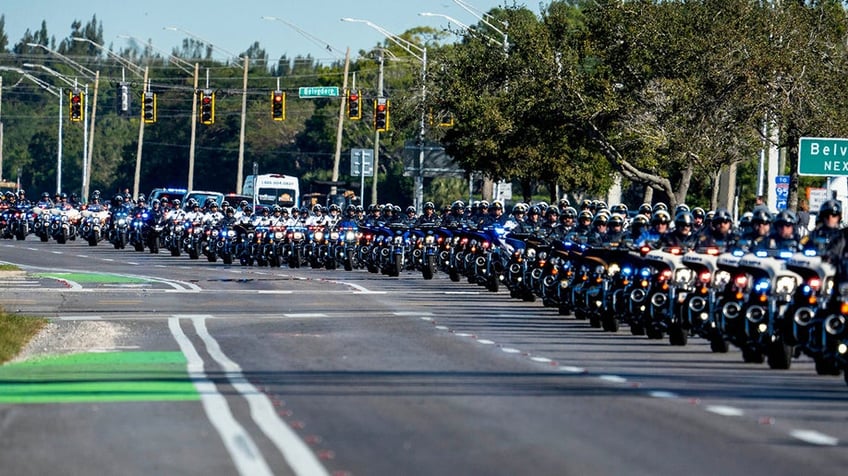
x,y
309,92
362,160
822,156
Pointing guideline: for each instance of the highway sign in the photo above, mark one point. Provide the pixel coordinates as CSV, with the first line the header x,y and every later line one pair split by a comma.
x,y
822,156
318,92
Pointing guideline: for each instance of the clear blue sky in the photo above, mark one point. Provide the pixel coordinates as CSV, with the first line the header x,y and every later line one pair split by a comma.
x,y
234,26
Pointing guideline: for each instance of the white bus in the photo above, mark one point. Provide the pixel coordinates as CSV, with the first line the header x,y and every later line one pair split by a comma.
x,y
273,189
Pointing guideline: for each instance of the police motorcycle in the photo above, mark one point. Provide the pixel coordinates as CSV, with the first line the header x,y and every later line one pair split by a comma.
x,y
139,228
5,229
802,327
665,269
119,228
221,239
18,222
293,246
194,237
156,233
41,223
173,236
63,224
315,246
698,295
481,261
522,261
345,238
613,273
831,335
767,287
91,226
393,249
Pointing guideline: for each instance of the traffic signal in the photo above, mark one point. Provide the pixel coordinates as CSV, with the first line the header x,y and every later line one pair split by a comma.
x,y
123,99
278,105
207,107
148,107
354,103
77,98
381,114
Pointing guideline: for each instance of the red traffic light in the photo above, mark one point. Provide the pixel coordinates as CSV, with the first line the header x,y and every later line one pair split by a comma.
x,y
278,98
75,98
207,99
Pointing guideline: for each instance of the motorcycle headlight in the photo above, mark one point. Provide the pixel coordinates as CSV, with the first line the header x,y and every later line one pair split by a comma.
x,y
683,275
398,240
429,239
231,233
613,268
318,236
215,233
298,235
278,235
122,221
785,285
334,236
350,236
531,253
64,218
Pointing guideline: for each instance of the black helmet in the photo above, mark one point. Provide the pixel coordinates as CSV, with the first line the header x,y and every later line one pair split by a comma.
x,y
616,220
761,215
45,196
831,207
639,221
600,219
699,212
645,209
63,196
458,205
722,215
620,209
569,212
429,206
786,217
534,210
660,206
335,208
683,218
410,209
552,211
585,215
177,202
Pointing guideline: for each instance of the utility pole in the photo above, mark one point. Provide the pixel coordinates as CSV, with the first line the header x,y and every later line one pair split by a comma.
x,y
137,178
333,189
377,136
240,174
86,183
190,185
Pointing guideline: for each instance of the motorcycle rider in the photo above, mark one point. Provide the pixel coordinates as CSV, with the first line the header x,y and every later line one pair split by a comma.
x,y
785,236
456,216
719,233
682,234
429,217
45,201
699,215
615,229
534,218
600,225
828,221
213,215
758,237
22,200
515,223
660,222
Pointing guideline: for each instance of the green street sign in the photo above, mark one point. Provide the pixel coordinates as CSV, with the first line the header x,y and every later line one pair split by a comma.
x,y
822,156
318,92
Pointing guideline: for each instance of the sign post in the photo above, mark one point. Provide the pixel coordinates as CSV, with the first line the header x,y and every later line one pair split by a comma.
x,y
362,165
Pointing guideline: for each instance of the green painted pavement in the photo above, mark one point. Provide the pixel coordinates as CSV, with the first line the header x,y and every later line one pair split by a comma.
x,y
92,278
98,377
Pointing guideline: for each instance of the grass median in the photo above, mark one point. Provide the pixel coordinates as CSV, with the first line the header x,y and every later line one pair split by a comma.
x,y
16,331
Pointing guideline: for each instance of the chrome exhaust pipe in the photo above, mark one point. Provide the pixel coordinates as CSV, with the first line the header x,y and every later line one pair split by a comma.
x,y
659,299
803,316
638,295
515,268
756,314
481,261
731,310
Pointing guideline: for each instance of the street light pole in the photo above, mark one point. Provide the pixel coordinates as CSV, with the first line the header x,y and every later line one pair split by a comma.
x,y
419,53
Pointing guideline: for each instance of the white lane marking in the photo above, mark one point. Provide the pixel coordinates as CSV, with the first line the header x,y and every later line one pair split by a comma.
x,y
159,266
269,291
428,319
510,350
244,452
305,314
80,318
724,410
541,360
462,334
108,259
57,252
572,369
814,437
32,249
613,378
442,328
663,394
361,289
132,263
462,292
72,284
412,314
296,452
82,256
486,341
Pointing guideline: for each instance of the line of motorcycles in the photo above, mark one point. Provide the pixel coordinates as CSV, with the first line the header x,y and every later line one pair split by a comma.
x,y
772,305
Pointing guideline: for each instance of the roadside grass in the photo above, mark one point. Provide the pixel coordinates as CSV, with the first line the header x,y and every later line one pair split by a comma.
x,y
9,267
16,332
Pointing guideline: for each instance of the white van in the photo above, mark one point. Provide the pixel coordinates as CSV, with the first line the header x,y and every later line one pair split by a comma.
x,y
273,189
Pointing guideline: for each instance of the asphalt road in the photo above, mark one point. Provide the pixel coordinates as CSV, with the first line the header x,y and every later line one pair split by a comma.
x,y
227,369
